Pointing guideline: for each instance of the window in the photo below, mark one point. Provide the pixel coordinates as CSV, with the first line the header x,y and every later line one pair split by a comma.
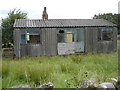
x,y
105,33
65,37
69,37
61,36
80,35
23,39
33,38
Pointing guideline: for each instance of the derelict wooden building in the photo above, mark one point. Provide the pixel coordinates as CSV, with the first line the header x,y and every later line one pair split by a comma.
x,y
63,36
46,37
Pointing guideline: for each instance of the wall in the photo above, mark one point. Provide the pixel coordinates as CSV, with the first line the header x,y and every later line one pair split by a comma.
x,y
93,45
16,35
31,50
49,41
47,45
75,46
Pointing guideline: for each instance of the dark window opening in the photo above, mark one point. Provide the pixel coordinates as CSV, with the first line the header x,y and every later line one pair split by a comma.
x,y
65,37
61,36
33,38
105,34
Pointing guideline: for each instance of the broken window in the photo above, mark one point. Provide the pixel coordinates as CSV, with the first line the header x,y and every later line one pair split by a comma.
x,y
61,36
33,38
65,37
105,33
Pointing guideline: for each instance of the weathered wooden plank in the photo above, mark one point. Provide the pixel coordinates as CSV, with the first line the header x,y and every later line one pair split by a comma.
x,y
17,37
43,40
108,46
50,41
105,46
31,50
89,39
95,38
115,32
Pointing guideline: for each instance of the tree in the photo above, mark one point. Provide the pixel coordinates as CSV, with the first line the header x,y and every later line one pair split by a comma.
x,y
7,26
114,18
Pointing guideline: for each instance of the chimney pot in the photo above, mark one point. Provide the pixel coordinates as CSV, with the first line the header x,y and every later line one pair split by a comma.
x,y
45,15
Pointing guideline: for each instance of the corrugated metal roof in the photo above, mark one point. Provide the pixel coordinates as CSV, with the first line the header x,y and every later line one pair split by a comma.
x,y
30,23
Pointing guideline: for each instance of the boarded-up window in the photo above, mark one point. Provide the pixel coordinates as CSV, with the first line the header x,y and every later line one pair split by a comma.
x,y
105,33
69,37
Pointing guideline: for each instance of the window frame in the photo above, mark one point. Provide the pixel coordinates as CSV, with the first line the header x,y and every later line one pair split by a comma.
x,y
71,33
34,34
105,30
63,34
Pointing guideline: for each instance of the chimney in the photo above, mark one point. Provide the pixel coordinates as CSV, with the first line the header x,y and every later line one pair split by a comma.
x,y
45,15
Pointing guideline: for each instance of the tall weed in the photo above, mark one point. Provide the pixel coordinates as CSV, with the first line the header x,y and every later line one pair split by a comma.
x,y
64,72
39,74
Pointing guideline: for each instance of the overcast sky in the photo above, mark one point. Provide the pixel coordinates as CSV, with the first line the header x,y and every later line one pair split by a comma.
x,y
60,9
119,7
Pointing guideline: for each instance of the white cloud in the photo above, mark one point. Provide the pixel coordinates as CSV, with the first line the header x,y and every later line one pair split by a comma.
x,y
61,8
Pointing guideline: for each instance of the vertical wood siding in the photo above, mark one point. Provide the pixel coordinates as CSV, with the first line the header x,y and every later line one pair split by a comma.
x,y
49,45
16,35
49,41
93,45
31,50
115,33
70,46
108,46
89,39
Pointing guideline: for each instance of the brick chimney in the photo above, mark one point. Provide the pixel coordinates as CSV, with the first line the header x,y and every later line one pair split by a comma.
x,y
45,15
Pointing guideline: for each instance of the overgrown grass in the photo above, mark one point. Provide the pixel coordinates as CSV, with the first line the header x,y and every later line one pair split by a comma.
x,y
62,71
119,56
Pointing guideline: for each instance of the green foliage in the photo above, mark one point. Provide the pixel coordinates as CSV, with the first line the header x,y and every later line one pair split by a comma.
x,y
39,75
114,18
68,67
77,59
7,26
63,72
5,69
118,44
